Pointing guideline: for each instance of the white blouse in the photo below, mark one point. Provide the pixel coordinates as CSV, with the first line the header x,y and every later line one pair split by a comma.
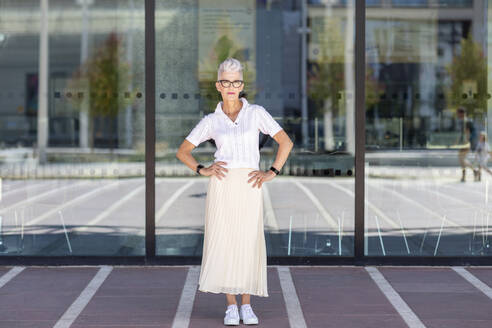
x,y
237,142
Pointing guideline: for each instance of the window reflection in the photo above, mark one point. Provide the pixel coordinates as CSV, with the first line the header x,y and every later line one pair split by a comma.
x,y
426,187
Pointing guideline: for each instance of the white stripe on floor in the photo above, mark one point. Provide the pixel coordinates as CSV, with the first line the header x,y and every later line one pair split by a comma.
x,y
474,281
10,275
292,304
395,299
85,296
185,306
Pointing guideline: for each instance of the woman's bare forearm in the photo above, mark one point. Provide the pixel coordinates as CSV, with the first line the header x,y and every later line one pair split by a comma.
x,y
282,154
187,159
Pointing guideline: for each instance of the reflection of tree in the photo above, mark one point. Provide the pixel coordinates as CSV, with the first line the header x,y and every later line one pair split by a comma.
x,y
220,51
326,81
104,78
468,73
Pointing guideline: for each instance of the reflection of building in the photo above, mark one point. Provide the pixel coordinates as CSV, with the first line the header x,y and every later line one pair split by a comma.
x,y
19,65
409,46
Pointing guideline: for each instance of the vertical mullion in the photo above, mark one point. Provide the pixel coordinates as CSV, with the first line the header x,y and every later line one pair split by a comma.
x,y
360,141
149,129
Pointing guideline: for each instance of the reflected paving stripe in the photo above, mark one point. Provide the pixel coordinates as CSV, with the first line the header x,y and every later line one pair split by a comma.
x,y
481,286
29,188
294,311
43,195
398,303
162,211
185,306
110,209
10,275
80,303
423,207
324,213
76,200
376,210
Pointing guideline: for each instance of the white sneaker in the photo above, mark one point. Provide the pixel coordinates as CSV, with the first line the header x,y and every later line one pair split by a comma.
x,y
247,315
232,316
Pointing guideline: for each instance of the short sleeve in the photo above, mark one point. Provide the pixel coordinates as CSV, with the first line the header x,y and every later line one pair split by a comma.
x,y
201,132
266,123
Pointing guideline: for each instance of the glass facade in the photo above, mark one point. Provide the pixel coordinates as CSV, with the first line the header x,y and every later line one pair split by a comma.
x,y
427,104
72,133
75,133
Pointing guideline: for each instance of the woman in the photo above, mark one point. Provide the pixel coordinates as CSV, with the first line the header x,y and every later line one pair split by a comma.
x,y
234,252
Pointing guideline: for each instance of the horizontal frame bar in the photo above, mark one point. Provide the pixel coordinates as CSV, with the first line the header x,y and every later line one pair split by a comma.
x,y
9,260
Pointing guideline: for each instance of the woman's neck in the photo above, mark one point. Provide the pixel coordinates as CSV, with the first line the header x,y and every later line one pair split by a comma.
x,y
231,106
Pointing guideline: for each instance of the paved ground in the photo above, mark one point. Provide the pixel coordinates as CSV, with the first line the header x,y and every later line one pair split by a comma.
x,y
300,296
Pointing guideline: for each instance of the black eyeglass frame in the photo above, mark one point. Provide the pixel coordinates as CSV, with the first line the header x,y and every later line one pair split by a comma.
x,y
230,82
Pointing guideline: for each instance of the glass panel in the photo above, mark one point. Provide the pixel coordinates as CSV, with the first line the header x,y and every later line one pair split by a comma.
x,y
305,83
72,127
428,99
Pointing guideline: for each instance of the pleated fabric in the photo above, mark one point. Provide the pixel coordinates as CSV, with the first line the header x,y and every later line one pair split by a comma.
x,y
234,252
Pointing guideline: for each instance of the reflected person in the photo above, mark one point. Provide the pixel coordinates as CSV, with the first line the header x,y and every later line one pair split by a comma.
x,y
482,155
468,139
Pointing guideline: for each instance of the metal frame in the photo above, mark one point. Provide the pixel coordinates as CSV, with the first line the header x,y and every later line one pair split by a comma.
x,y
151,258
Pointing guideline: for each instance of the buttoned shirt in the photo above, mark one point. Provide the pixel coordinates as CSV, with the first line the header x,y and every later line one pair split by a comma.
x,y
237,141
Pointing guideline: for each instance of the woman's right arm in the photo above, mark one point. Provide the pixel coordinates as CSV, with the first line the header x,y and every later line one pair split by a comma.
x,y
184,155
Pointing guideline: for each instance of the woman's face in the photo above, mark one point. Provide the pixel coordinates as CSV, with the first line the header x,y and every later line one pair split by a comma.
x,y
229,93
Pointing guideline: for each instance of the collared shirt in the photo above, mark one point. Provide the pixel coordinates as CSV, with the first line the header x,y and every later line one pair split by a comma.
x,y
237,142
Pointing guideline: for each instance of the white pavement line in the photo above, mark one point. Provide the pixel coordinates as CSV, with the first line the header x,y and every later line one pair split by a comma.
x,y
42,195
29,188
454,199
84,298
185,306
425,208
270,218
474,281
395,299
373,207
108,210
162,211
292,304
328,218
71,202
10,275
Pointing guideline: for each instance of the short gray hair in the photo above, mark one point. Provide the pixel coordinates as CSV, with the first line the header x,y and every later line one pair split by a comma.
x,y
230,65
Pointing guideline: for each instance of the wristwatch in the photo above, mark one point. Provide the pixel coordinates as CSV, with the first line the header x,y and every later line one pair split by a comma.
x,y
198,168
277,172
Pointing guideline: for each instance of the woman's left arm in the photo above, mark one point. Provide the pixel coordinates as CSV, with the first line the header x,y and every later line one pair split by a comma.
x,y
284,148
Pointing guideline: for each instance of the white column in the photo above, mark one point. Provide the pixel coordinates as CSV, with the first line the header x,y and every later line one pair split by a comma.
x,y
42,134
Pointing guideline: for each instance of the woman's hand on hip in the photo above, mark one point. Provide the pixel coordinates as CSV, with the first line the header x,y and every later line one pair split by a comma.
x,y
260,176
214,169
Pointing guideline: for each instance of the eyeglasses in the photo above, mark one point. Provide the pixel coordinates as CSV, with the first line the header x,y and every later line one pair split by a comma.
x,y
227,83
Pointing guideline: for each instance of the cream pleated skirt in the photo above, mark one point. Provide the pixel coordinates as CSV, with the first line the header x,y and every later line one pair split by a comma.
x,y
234,253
